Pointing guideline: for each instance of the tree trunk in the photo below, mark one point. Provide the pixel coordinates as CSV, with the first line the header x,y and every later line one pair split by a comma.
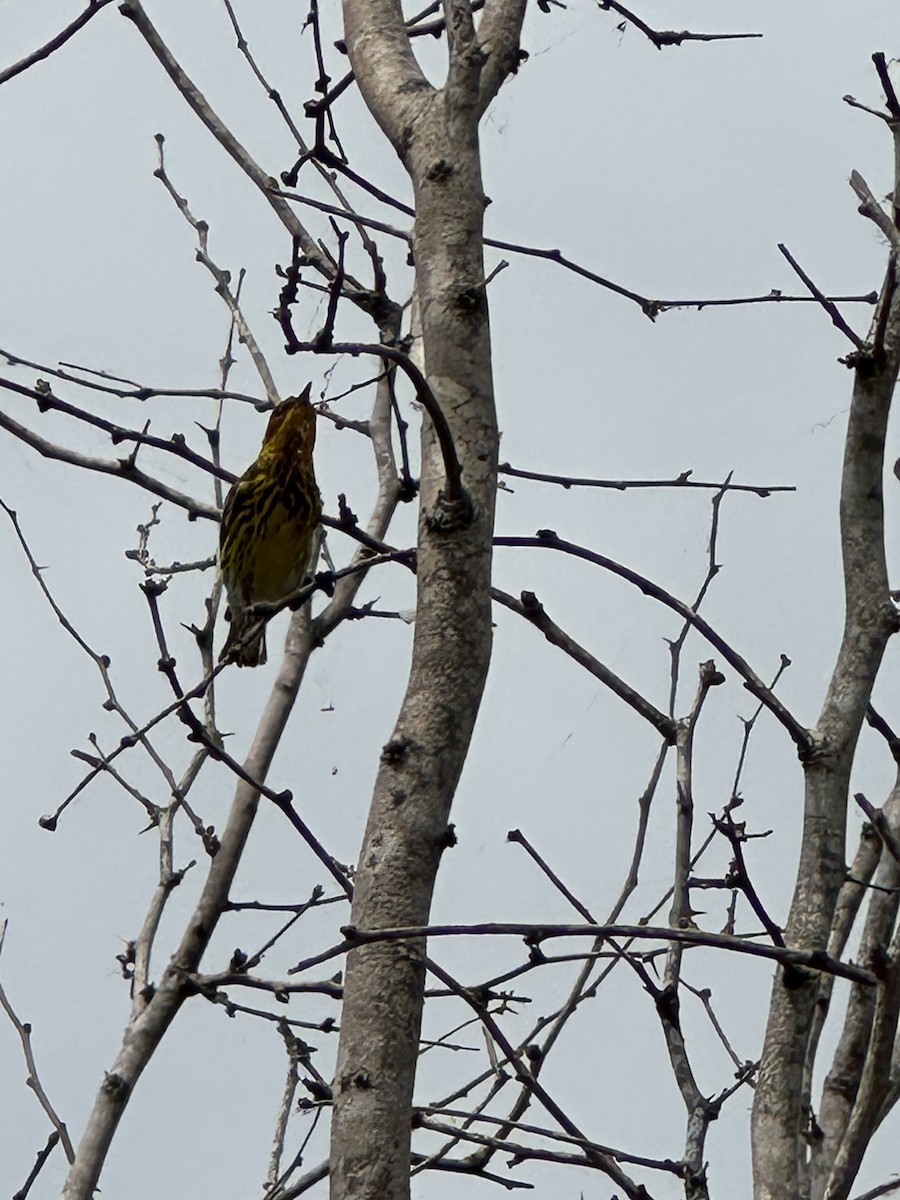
x,y
435,132
781,1116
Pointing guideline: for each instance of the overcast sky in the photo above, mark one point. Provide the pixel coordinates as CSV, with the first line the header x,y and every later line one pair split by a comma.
x,y
672,173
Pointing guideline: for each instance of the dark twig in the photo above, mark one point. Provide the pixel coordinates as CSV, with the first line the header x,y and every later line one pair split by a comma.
x,y
676,645
55,42
122,468
528,1080
668,37
525,1153
529,607
127,742
681,481
739,877
890,95
48,402
681,914
112,703
516,835
651,308
324,113
23,1029
883,1189
324,339
836,318
654,1164
873,112
548,539
42,1156
221,276
814,960
134,390
878,723
326,580
271,92
748,724
424,394
199,733
704,995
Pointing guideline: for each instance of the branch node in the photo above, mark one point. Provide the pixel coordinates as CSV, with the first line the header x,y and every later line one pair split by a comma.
x,y
449,514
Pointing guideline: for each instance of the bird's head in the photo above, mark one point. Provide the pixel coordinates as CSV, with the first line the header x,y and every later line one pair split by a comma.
x,y
292,426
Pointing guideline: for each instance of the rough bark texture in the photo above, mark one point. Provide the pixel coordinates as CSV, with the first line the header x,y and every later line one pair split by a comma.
x,y
780,1116
435,132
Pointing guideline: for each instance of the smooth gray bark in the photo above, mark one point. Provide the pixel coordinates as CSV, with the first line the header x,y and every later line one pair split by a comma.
x,y
781,1120
435,133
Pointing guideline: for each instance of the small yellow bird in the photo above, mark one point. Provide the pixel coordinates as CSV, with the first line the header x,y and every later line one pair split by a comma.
x,y
268,538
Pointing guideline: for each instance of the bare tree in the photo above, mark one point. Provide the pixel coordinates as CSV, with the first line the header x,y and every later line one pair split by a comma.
x,y
427,354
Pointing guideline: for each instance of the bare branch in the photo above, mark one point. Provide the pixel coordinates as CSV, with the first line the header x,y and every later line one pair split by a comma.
x,y
389,77
222,278
529,607
814,960
661,38
548,539
33,1080
881,825
893,106
869,207
836,318
40,1159
123,468
498,36
683,480
779,1131
516,835
94,6
883,1189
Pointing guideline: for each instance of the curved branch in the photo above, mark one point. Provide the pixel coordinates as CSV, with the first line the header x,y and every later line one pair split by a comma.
x,y
534,935
122,468
47,402
55,42
548,539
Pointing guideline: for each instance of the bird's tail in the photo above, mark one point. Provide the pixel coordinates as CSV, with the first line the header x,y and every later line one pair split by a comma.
x,y
246,641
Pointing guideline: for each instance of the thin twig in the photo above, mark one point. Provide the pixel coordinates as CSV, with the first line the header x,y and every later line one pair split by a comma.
x,y
814,960
681,481
23,1029
529,607
548,539
55,42
836,318
667,37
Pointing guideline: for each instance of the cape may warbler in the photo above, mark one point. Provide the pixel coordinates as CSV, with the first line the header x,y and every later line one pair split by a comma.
x,y
268,539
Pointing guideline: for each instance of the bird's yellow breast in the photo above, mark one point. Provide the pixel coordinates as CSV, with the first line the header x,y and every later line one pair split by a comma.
x,y
281,555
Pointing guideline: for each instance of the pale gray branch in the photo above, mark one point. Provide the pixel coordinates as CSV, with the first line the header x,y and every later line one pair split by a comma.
x,y
779,1120
499,33
387,73
122,468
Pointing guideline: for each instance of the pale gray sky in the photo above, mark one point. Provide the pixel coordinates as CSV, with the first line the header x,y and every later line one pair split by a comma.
x,y
674,173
